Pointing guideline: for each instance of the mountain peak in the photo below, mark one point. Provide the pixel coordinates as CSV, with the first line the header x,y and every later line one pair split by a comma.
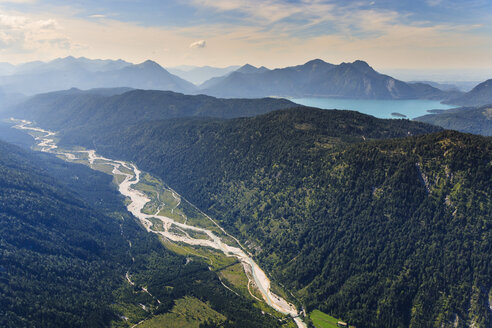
x,y
314,65
359,62
362,66
149,64
68,59
316,61
249,69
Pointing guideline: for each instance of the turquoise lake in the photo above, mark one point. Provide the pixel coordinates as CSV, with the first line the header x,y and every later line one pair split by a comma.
x,y
378,108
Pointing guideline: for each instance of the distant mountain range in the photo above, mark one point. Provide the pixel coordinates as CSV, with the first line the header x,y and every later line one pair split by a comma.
x,y
475,117
317,78
382,223
441,86
198,75
6,68
59,74
478,96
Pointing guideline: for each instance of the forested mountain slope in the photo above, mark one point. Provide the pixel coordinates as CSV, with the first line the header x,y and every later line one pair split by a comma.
x,y
63,262
477,120
95,110
391,233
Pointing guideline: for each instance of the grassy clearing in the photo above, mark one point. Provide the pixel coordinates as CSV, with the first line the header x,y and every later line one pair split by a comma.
x,y
323,320
197,234
177,231
168,198
234,277
226,239
105,168
144,187
175,215
188,312
125,170
156,224
217,261
118,178
127,201
196,218
151,180
186,250
230,271
80,161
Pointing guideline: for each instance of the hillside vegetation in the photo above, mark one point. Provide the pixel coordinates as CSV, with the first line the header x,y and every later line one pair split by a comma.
x,y
476,120
392,233
376,222
86,112
63,262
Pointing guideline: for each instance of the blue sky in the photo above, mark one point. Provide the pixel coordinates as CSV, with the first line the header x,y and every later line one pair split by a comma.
x,y
388,34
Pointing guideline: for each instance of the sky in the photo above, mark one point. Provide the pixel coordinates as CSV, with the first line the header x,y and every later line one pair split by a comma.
x,y
406,34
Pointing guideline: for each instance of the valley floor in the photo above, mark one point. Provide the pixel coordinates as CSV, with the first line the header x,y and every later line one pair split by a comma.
x,y
181,226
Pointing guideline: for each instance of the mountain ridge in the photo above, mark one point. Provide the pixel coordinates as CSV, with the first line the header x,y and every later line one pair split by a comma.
x,y
38,77
480,95
476,120
355,216
317,78
368,203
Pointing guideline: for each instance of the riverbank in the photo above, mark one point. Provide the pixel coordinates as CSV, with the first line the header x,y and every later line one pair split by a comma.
x,y
128,178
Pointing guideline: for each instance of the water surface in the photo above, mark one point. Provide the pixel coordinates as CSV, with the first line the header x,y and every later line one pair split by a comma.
x,y
378,108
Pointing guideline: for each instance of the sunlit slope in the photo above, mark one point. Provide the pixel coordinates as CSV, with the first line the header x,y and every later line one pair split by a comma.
x,y
391,233
68,246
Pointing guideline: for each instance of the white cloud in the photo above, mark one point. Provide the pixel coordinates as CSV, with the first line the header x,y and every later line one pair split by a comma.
x,y
24,34
271,11
97,16
198,44
280,35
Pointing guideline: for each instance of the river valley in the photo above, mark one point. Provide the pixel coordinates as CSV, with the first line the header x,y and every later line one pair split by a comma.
x,y
161,211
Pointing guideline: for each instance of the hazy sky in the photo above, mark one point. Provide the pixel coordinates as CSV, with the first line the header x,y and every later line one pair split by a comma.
x,y
274,33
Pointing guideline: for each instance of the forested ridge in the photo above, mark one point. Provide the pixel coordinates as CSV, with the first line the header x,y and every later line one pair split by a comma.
x,y
378,222
93,109
392,233
476,120
66,243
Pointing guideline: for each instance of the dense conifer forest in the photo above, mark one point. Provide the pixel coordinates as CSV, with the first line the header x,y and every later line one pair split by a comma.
x,y
67,243
378,222
393,232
